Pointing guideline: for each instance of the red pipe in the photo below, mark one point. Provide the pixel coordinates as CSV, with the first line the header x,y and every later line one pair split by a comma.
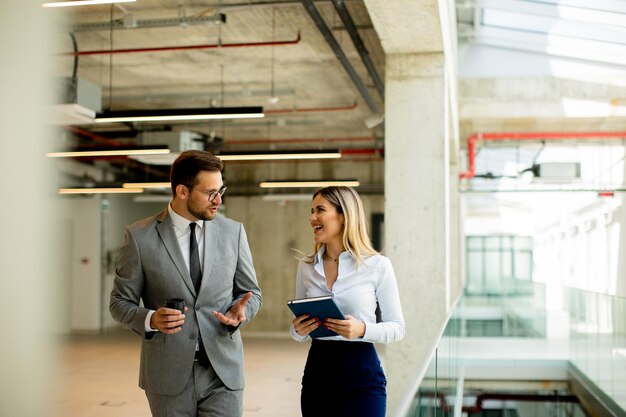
x,y
481,398
182,48
365,151
311,109
308,161
474,137
300,140
93,136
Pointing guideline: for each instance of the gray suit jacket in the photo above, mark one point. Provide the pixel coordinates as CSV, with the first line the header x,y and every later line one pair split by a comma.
x,y
151,268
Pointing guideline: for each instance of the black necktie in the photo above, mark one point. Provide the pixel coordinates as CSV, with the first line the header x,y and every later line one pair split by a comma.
x,y
196,278
194,259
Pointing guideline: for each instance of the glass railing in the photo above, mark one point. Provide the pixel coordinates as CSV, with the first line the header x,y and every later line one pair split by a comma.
x,y
591,326
436,396
518,312
597,336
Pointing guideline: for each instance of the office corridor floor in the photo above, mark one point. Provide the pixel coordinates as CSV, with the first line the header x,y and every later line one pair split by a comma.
x,y
97,377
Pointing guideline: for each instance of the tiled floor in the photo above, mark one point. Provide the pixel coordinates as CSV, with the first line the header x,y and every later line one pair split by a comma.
x,y
97,377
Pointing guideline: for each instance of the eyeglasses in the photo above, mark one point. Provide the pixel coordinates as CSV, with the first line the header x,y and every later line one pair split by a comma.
x,y
212,195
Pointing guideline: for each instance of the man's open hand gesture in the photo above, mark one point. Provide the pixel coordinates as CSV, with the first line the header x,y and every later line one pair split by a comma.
x,y
237,313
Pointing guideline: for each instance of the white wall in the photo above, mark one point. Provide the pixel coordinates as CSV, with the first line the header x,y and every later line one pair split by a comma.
x,y
121,211
87,223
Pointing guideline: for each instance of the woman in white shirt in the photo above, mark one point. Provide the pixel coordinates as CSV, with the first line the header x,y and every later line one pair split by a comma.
x,y
343,376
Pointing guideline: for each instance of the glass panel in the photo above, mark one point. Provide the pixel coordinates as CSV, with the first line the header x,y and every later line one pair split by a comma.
x,y
596,346
523,265
475,242
523,243
492,243
475,273
493,273
507,265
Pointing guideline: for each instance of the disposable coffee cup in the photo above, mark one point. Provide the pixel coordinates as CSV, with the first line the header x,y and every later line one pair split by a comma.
x,y
176,304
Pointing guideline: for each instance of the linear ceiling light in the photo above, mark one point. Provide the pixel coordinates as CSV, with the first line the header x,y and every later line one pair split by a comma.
x,y
111,152
146,185
152,198
69,3
308,184
162,115
278,155
100,190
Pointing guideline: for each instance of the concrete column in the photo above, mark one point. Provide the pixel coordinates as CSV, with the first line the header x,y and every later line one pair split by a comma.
x,y
417,177
27,215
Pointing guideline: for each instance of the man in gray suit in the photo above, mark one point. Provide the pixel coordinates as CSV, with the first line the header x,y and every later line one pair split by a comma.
x,y
191,362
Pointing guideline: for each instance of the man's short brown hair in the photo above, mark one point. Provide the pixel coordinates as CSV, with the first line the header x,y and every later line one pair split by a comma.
x,y
189,164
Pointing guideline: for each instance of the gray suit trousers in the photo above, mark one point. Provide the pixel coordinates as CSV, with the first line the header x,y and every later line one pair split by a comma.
x,y
204,395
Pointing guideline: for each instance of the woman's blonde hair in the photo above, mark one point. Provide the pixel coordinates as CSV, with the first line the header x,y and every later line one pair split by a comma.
x,y
355,237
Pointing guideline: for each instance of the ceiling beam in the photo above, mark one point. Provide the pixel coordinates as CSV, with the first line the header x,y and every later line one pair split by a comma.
x,y
317,18
343,13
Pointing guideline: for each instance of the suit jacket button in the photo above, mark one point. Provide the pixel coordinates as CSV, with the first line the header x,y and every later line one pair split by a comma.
x,y
192,336
197,308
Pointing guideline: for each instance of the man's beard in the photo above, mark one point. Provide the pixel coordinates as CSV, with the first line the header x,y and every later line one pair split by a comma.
x,y
200,214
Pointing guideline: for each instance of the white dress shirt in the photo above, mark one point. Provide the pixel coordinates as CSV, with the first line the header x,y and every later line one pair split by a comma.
x,y
356,292
183,234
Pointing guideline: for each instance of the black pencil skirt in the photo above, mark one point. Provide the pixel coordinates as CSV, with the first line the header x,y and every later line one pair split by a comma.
x,y
343,379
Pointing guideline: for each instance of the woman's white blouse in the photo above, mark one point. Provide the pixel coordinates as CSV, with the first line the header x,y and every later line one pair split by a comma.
x,y
356,292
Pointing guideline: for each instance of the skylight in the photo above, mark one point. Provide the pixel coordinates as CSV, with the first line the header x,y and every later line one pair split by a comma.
x,y
593,30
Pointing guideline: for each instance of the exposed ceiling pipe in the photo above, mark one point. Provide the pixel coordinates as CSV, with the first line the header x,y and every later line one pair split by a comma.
x,y
363,152
184,47
264,4
217,19
311,109
348,23
309,161
317,18
530,136
300,140
93,136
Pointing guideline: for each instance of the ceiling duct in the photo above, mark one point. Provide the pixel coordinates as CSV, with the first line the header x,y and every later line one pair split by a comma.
x,y
556,171
130,23
176,141
78,101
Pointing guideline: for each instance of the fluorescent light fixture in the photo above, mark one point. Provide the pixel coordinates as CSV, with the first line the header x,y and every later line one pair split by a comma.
x,y
146,185
308,184
152,198
69,114
245,156
100,190
69,3
172,115
278,155
286,197
110,152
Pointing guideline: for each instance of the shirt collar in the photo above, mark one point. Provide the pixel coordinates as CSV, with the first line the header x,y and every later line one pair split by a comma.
x,y
179,222
344,256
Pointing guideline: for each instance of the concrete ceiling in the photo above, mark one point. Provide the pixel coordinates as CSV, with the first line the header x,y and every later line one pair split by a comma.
x,y
319,107
304,75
